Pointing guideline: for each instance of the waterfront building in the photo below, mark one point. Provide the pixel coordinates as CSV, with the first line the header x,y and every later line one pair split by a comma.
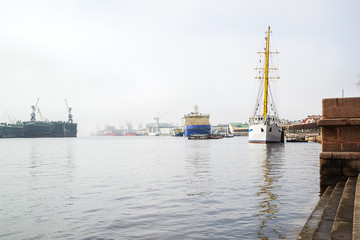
x,y
165,129
240,129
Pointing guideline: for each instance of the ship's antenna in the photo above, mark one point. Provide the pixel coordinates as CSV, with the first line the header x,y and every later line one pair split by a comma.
x,y
196,109
358,84
69,109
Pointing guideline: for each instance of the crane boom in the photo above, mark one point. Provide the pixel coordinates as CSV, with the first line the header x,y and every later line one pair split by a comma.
x,y
70,116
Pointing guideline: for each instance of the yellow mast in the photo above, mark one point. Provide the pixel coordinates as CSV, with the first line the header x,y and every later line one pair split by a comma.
x,y
266,83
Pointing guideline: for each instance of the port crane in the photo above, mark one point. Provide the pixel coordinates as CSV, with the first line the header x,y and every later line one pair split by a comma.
x,y
69,109
33,113
157,119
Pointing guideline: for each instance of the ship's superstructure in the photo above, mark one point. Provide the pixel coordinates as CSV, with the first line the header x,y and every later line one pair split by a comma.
x,y
265,123
197,123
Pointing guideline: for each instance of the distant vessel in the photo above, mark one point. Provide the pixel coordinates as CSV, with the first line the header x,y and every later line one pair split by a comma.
x,y
130,134
296,139
196,123
265,127
224,130
178,132
35,129
129,131
153,134
205,136
109,131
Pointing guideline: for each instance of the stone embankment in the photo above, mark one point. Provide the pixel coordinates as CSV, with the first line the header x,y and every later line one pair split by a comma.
x,y
337,215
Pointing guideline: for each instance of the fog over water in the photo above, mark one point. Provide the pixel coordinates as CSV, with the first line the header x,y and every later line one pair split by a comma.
x,y
130,60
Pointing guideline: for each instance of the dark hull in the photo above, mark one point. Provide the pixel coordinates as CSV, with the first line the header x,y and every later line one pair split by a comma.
x,y
64,129
11,131
205,136
39,129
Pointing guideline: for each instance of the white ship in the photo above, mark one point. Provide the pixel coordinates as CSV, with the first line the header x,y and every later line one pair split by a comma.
x,y
264,125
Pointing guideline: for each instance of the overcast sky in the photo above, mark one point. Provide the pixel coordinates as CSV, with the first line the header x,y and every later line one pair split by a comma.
x,y
130,60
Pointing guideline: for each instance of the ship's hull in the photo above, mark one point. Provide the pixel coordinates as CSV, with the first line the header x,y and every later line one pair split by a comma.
x,y
39,129
64,129
11,131
197,130
265,133
129,134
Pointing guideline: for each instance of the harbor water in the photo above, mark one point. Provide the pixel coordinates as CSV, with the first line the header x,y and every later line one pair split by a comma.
x,y
155,188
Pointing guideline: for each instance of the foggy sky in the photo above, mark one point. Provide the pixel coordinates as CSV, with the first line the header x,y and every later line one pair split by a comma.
x,y
130,60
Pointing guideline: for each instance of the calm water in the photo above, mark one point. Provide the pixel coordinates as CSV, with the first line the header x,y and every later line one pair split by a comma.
x,y
155,188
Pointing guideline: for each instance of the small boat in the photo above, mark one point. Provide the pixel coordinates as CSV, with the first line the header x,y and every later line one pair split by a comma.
x,y
130,134
215,136
205,136
198,137
178,132
153,134
296,139
229,135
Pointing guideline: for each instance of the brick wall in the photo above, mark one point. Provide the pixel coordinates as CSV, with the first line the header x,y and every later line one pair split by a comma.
x,y
340,130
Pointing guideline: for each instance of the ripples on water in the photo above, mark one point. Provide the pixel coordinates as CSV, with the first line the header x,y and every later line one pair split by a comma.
x,y
155,188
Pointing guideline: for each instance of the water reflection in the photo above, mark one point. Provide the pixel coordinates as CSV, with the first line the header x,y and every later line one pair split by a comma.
x,y
70,157
198,168
271,169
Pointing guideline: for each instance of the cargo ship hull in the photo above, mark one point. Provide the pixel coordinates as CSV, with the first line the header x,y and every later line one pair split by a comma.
x,y
197,130
38,129
11,131
64,129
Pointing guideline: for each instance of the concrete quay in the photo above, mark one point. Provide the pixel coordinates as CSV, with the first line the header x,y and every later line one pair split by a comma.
x,y
337,214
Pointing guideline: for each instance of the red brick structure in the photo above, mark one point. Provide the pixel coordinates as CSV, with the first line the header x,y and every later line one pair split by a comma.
x,y
340,129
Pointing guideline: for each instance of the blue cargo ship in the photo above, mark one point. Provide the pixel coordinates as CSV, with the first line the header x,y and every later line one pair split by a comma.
x,y
197,123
